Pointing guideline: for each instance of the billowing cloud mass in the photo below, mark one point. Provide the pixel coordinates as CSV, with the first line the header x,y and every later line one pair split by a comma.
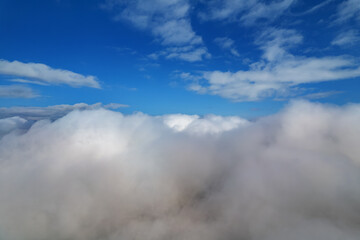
x,y
98,174
41,73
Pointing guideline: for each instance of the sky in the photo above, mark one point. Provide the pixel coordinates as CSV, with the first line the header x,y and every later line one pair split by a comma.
x,y
229,57
179,119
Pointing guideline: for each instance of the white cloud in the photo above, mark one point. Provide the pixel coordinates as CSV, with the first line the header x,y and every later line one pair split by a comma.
x,y
247,12
168,21
52,112
277,73
227,43
20,80
102,175
347,38
42,73
276,42
194,124
349,9
16,91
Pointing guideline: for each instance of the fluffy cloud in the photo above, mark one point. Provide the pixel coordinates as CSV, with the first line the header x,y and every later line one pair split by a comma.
x,y
52,112
16,91
277,73
98,174
45,74
168,21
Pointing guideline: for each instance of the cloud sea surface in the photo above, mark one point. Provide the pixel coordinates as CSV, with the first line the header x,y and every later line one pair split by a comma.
x,y
99,174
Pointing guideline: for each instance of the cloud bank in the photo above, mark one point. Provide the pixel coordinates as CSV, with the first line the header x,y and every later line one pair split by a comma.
x,y
98,174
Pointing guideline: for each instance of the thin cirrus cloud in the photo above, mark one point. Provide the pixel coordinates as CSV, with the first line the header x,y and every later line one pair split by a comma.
x,y
16,91
347,38
168,21
98,174
227,44
277,74
246,12
41,73
348,10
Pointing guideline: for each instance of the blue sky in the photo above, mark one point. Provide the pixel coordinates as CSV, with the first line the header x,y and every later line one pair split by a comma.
x,y
229,57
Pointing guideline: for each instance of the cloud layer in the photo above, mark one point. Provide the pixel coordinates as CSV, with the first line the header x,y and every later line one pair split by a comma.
x,y
98,174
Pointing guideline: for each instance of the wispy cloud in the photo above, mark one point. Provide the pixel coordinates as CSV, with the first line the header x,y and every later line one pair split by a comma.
x,y
320,95
277,73
42,73
186,53
168,21
313,9
246,12
16,91
349,9
347,38
52,112
228,44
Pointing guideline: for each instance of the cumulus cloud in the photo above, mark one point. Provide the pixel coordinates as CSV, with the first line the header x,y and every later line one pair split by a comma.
x,y
16,91
247,12
98,174
42,73
277,73
168,21
52,112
